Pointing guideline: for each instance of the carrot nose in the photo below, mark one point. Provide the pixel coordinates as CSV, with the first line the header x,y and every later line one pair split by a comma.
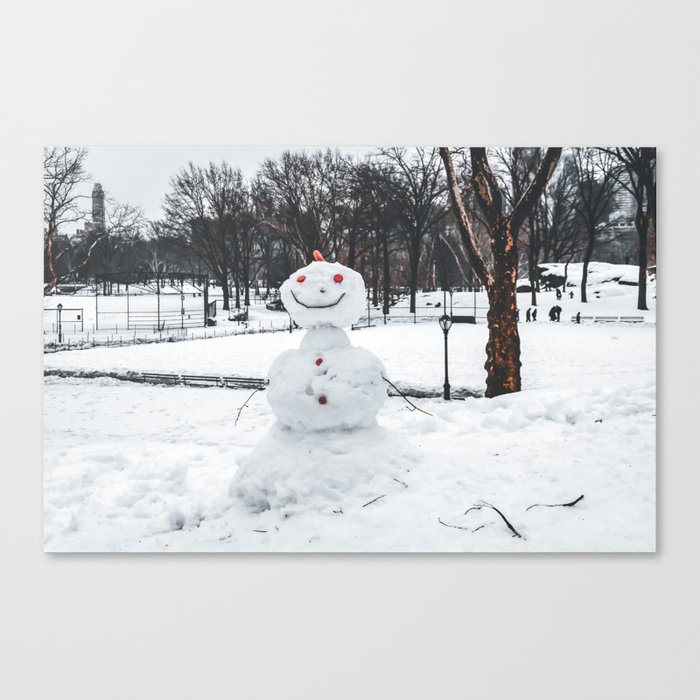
x,y
317,256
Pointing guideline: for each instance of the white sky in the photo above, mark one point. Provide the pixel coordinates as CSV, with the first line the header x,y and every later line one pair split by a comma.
x,y
139,175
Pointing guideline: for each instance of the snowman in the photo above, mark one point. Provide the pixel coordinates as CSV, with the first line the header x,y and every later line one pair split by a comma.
x,y
326,449
327,384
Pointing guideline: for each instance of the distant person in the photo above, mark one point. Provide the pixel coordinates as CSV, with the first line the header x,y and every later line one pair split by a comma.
x,y
534,314
528,316
578,317
558,294
571,295
557,312
553,313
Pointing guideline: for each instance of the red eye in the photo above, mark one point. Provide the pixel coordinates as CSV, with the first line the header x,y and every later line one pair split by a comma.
x,y
338,279
301,278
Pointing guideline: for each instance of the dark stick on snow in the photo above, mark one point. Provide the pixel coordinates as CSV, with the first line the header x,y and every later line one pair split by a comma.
x,y
238,415
505,520
373,500
398,481
461,527
456,527
405,398
555,505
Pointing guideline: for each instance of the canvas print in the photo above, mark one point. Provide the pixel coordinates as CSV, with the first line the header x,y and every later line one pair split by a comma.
x,y
381,349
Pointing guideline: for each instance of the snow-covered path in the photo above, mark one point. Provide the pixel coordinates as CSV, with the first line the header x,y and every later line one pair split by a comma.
x,y
134,467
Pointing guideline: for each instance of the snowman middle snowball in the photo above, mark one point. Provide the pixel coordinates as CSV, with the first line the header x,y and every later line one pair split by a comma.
x,y
328,383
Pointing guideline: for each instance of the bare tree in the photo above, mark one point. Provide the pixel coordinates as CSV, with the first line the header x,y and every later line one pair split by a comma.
x,y
640,170
124,227
518,166
503,346
64,172
596,185
304,193
202,211
419,199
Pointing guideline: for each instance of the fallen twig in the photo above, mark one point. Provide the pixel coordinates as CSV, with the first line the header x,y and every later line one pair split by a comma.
x,y
405,398
238,415
461,527
373,500
555,505
398,481
505,520
259,530
456,527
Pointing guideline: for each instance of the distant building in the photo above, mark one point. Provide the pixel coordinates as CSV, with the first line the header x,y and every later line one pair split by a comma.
x,y
98,208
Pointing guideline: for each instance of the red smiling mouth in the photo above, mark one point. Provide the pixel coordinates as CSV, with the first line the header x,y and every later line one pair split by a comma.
x,y
317,306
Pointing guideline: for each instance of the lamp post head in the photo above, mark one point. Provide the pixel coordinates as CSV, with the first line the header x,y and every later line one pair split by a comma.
x,y
59,306
445,322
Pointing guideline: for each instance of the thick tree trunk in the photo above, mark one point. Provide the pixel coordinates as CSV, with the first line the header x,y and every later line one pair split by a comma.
x,y
224,288
503,346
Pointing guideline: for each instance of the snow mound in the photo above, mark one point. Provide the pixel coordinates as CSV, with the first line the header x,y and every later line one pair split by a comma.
x,y
301,471
598,273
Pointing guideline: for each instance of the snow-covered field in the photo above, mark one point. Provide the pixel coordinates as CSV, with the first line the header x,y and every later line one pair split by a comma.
x,y
133,467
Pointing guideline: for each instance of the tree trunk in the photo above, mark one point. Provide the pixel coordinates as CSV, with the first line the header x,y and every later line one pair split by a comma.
x,y
503,346
532,260
387,277
586,259
413,282
642,229
533,281
224,288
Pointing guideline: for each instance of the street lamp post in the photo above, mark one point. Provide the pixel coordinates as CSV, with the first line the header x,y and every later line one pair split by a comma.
x,y
59,308
446,323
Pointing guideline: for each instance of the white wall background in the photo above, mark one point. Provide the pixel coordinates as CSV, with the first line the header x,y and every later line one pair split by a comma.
x,y
353,73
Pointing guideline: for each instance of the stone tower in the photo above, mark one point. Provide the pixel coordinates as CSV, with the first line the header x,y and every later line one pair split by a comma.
x,y
98,208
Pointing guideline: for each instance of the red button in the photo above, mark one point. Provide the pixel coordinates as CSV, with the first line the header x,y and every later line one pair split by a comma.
x,y
319,361
322,400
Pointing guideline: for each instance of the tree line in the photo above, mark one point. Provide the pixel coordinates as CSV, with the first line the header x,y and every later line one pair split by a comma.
x,y
406,218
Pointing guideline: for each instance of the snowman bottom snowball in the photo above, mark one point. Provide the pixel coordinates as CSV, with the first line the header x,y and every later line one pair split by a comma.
x,y
327,384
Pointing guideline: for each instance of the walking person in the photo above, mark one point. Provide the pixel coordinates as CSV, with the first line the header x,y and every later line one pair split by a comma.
x,y
534,314
528,316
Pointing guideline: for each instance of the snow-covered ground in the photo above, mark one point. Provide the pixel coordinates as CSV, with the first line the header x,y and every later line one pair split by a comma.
x,y
133,467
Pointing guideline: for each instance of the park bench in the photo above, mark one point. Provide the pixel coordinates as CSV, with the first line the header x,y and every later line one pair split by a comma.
x,y
605,319
201,380
632,319
243,382
583,318
463,319
160,378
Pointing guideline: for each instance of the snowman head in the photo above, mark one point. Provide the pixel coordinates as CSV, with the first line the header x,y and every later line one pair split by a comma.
x,y
324,294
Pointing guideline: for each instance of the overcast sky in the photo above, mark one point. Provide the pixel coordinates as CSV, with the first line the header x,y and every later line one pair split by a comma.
x,y
139,175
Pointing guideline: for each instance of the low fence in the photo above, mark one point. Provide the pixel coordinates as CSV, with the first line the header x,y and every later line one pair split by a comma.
x,y
399,389
172,335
